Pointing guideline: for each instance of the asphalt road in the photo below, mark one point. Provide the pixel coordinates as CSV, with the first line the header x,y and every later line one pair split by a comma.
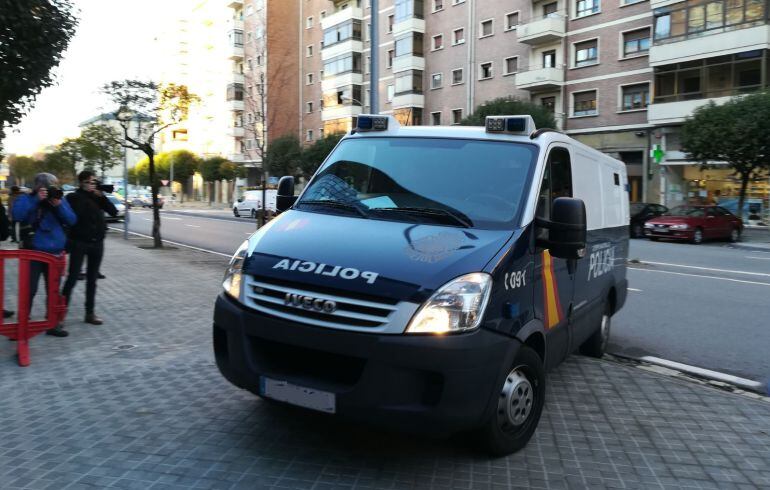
x,y
704,305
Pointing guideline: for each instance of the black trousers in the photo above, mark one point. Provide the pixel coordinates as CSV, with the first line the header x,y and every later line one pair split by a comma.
x,y
92,253
36,269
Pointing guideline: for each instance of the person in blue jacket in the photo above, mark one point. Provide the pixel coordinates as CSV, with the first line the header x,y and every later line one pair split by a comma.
x,y
45,218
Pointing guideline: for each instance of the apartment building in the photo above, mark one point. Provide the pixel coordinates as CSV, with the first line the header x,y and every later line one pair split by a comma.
x,y
594,63
703,52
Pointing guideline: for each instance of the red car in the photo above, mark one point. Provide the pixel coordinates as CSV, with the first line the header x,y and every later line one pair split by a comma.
x,y
695,224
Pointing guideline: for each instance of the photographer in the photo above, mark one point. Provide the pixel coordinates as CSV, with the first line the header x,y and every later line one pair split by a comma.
x,y
87,238
43,214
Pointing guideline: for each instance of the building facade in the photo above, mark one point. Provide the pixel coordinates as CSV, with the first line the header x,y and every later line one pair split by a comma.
x,y
619,75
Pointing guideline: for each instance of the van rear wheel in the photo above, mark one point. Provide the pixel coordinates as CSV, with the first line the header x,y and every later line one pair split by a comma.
x,y
519,406
596,344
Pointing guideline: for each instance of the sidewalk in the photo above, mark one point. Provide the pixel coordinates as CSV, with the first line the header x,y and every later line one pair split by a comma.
x,y
93,412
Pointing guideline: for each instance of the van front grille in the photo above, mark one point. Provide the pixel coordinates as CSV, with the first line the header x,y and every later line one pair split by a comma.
x,y
349,312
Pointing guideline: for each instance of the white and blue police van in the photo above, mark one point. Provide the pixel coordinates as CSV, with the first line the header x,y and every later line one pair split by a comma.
x,y
427,278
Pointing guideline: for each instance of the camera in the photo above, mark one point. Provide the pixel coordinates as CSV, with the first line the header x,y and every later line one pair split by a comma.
x,y
55,193
108,188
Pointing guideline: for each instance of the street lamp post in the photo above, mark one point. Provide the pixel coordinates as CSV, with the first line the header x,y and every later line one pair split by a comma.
x,y
125,115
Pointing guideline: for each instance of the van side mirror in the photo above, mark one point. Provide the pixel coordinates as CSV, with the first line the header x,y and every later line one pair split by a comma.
x,y
567,228
240,199
285,196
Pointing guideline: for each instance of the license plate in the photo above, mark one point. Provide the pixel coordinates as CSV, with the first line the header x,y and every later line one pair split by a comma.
x,y
661,229
284,391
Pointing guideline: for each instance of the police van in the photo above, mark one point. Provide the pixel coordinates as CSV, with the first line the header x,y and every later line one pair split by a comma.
x,y
427,278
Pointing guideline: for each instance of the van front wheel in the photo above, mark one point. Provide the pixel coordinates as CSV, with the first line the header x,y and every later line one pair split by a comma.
x,y
519,406
596,344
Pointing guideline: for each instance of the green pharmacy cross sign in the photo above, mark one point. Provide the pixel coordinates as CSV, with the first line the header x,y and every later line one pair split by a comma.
x,y
657,154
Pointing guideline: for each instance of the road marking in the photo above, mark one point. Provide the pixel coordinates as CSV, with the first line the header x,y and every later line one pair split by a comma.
x,y
635,290
699,275
176,243
763,274
707,373
193,226
171,217
249,234
147,219
756,258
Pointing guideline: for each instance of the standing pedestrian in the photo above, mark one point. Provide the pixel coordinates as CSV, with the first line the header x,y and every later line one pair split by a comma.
x,y
87,238
4,233
43,216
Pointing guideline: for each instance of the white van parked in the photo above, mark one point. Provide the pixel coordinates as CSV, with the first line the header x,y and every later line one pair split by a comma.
x,y
251,202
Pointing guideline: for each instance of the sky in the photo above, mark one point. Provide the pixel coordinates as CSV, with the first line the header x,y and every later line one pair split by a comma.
x,y
114,41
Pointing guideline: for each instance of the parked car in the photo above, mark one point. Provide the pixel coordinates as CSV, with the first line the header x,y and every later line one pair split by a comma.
x,y
640,213
251,203
695,224
118,203
144,201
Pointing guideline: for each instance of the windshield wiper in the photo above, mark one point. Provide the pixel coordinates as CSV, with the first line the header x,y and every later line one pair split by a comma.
x,y
462,220
336,204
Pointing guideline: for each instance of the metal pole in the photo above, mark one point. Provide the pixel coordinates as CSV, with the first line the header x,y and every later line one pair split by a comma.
x,y
374,82
125,192
171,181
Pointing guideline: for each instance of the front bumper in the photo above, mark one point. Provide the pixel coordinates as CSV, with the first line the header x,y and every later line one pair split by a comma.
x,y
430,384
671,234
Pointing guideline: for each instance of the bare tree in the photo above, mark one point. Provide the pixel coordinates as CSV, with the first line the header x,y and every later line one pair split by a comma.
x,y
144,109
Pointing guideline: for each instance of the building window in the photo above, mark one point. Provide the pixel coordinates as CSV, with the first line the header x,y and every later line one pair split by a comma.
x,y
409,45
309,51
457,2
550,10
694,19
457,116
323,14
409,82
349,30
586,7
390,23
436,80
585,103
511,20
549,59
309,106
321,130
457,76
309,135
438,42
435,118
438,5
249,9
236,37
636,97
548,103
511,65
259,60
346,63
587,53
636,42
487,28
309,23
391,92
349,95
485,71
309,79
408,9
458,36
235,91
391,54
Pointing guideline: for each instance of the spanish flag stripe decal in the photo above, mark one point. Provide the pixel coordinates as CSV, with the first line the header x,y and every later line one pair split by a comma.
x,y
551,303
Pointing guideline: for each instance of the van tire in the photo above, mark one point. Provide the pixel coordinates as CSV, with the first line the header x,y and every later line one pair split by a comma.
x,y
735,235
596,344
524,386
235,213
697,236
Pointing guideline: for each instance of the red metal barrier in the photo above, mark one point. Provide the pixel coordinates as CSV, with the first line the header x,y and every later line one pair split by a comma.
x,y
56,309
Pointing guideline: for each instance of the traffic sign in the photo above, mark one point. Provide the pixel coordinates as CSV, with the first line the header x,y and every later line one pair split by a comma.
x,y
164,182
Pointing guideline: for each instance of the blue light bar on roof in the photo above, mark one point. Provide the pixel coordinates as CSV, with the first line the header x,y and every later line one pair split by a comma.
x,y
372,123
523,125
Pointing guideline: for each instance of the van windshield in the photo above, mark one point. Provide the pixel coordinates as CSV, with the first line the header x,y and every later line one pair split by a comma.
x,y
460,182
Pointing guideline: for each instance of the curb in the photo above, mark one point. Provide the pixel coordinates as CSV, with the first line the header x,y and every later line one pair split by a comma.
x,y
761,247
726,382
203,215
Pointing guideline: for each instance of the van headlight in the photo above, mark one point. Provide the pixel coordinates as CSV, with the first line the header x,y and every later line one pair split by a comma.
x,y
457,306
232,281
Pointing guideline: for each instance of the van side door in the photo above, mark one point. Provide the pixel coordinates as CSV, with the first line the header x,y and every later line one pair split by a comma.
x,y
554,278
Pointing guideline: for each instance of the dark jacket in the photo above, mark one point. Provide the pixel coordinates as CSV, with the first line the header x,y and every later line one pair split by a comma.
x,y
90,209
5,224
48,222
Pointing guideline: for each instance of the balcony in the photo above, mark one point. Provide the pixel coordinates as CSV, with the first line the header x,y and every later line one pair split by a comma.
x,y
341,111
235,105
412,24
337,49
655,4
408,100
235,131
237,78
236,157
709,44
542,31
235,52
234,4
401,63
677,112
237,24
342,16
548,78
341,80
